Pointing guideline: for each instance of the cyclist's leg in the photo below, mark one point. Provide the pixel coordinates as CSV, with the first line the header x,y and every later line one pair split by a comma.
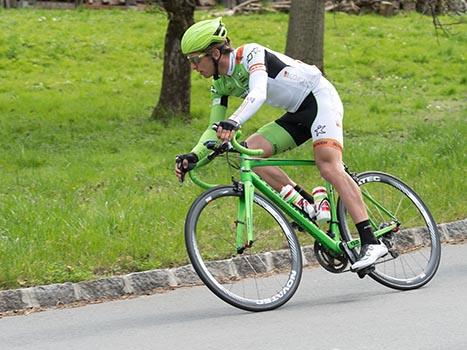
x,y
328,157
289,131
328,142
327,137
271,138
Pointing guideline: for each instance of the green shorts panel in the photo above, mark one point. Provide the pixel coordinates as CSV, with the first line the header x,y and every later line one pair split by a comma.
x,y
278,137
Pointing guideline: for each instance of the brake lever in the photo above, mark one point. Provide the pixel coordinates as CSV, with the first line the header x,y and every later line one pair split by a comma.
x,y
210,144
223,148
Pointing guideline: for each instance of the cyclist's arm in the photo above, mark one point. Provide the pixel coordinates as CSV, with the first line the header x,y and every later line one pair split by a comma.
x,y
218,112
257,85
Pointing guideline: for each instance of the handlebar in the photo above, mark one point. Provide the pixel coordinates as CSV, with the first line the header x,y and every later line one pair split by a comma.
x,y
227,147
241,149
221,149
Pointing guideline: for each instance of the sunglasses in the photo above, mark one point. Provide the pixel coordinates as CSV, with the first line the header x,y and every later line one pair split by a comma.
x,y
195,59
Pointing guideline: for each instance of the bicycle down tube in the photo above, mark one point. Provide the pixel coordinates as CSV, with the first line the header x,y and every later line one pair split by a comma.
x,y
251,181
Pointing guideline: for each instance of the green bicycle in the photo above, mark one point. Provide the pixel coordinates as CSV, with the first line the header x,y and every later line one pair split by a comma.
x,y
245,250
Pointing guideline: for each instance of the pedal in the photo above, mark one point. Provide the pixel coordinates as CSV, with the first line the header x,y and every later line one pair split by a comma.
x,y
363,272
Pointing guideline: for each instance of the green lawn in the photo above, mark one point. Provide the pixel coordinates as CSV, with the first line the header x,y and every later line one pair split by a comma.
x,y
86,179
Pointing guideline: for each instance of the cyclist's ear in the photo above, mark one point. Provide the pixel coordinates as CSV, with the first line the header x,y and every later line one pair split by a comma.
x,y
216,53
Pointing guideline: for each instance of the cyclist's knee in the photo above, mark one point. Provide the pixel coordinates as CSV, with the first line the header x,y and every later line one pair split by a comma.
x,y
258,141
329,162
327,172
330,169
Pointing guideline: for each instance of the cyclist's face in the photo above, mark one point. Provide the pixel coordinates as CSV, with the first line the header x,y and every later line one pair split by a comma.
x,y
203,64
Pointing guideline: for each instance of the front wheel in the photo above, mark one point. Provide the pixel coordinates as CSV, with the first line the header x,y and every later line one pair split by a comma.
x,y
414,244
262,277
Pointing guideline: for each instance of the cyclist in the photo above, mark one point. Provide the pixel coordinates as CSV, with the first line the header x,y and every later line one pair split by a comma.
x,y
313,111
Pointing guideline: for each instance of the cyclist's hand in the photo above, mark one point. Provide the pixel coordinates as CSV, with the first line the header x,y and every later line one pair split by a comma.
x,y
226,129
184,163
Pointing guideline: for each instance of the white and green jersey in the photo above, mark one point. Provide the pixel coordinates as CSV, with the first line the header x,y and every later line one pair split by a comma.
x,y
259,75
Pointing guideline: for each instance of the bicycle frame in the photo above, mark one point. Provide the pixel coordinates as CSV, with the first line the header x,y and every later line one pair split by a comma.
x,y
249,181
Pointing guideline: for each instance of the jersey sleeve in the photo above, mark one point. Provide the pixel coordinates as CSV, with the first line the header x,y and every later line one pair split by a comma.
x,y
254,61
218,111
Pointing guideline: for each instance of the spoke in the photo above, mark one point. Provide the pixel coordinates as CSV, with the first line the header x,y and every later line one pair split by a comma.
x,y
394,267
372,211
252,268
416,262
420,251
403,268
412,221
399,205
254,277
228,241
274,277
410,266
243,289
257,289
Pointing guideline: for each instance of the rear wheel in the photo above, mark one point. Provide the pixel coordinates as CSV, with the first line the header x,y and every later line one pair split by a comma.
x,y
266,274
414,245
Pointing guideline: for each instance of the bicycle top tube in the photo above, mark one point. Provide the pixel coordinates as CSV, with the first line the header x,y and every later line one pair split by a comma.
x,y
245,154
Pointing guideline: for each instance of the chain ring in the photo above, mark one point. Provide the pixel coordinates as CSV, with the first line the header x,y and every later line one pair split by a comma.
x,y
331,263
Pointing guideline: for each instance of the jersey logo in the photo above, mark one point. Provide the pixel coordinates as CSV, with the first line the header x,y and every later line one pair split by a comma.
x,y
252,54
320,130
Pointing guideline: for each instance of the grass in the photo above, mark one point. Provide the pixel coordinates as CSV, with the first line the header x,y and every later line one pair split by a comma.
x,y
86,179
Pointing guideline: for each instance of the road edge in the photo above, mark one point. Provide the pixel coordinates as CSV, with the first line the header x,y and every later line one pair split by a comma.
x,y
147,282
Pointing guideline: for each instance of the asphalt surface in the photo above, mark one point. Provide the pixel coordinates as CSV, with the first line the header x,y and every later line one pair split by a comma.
x,y
335,312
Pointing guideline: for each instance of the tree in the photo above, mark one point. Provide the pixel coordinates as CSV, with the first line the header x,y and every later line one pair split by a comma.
x,y
10,3
174,99
305,36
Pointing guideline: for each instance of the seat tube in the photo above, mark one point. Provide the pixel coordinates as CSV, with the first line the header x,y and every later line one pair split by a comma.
x,y
334,226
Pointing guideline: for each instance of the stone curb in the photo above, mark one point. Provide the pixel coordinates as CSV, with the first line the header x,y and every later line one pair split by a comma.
x,y
145,282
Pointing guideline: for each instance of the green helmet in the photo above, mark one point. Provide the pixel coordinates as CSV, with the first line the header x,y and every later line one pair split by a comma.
x,y
202,34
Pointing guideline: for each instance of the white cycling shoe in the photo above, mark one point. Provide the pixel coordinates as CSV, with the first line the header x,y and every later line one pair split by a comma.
x,y
369,254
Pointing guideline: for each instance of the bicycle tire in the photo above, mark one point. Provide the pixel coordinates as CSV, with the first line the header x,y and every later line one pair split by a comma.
x,y
414,248
265,275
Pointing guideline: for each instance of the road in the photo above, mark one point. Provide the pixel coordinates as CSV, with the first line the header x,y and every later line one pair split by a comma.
x,y
329,312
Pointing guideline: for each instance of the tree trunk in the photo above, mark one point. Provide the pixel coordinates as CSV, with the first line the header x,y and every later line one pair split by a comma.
x,y
305,35
9,4
174,99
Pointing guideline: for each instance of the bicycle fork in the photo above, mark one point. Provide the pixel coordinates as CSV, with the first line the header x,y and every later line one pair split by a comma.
x,y
244,223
